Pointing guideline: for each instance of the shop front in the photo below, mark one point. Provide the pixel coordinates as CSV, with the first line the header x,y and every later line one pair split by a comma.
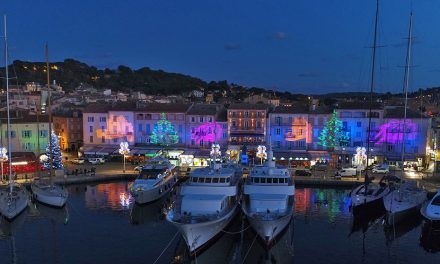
x,y
292,159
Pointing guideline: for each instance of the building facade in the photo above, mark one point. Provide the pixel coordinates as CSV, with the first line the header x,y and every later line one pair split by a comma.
x,y
69,128
247,124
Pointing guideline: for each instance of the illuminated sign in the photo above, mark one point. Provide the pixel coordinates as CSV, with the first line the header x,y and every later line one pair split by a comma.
x,y
208,132
392,132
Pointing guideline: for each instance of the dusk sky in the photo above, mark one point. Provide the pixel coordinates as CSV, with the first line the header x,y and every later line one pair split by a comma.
x,y
302,46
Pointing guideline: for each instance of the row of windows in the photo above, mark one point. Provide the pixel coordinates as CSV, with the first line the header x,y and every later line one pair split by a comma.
x,y
246,114
201,119
290,144
269,180
299,132
245,124
26,133
210,180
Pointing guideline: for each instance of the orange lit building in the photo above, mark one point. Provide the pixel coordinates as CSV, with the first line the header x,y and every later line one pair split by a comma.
x,y
247,124
69,128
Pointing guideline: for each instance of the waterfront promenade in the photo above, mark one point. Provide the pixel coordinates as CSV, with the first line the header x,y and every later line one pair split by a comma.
x,y
112,171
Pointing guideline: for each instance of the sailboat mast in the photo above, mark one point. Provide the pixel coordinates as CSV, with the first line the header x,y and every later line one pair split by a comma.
x,y
11,181
406,84
49,108
373,66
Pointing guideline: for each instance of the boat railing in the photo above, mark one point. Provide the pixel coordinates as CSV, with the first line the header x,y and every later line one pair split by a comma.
x,y
188,218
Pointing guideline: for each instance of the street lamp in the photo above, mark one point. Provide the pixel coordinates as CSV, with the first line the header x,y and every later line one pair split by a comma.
x,y
3,158
124,150
261,153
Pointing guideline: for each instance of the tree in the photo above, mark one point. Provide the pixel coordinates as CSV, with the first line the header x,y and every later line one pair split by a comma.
x,y
164,133
57,159
333,134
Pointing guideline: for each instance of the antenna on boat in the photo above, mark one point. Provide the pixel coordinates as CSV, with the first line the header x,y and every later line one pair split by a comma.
x,y
373,65
406,85
270,160
11,181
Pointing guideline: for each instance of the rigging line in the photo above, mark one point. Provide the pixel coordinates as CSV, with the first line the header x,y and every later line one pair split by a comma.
x,y
250,247
238,232
163,251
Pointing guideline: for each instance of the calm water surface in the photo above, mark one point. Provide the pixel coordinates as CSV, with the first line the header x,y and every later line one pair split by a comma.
x,y
101,225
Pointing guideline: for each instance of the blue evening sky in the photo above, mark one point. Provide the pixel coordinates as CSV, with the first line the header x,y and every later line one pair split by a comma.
x,y
306,46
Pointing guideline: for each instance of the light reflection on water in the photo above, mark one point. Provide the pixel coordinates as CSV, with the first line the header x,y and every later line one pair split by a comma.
x,y
101,224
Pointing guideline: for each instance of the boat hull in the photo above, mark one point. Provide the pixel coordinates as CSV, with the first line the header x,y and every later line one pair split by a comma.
x,y
55,196
13,205
392,218
198,235
269,230
153,194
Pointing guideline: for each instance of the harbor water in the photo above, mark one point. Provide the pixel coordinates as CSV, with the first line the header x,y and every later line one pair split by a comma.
x,y
100,224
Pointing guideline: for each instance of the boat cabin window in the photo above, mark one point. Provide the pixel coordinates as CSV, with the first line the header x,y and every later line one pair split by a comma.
x,y
215,180
436,201
194,179
150,174
257,180
281,180
201,179
269,180
263,180
228,179
208,180
275,180
222,180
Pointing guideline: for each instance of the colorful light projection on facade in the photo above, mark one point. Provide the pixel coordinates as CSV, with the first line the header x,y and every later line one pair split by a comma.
x,y
392,132
116,127
208,132
164,132
298,130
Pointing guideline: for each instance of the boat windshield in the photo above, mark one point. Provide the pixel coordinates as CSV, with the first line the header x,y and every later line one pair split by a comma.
x,y
436,201
150,174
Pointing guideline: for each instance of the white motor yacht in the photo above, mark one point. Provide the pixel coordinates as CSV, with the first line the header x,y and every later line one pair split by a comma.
x,y
431,210
156,178
206,204
268,201
407,199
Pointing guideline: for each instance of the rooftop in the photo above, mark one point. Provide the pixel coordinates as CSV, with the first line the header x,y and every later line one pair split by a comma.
x,y
398,112
290,110
203,109
246,106
360,105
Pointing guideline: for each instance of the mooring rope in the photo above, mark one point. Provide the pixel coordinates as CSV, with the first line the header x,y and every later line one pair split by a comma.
x,y
238,232
163,251
250,247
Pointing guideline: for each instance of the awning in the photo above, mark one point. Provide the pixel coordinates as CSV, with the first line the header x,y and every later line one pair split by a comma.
x,y
291,155
246,135
320,155
408,157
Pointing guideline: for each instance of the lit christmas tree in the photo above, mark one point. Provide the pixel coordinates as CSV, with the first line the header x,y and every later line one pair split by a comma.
x,y
333,134
57,162
164,133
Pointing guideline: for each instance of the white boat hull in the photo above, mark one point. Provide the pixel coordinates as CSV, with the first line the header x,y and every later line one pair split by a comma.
x,y
431,209
11,205
150,195
53,195
400,206
198,234
268,230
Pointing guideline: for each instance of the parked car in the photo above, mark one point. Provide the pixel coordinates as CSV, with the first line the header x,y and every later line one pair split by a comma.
x,y
320,167
96,160
381,170
346,172
303,173
78,161
138,168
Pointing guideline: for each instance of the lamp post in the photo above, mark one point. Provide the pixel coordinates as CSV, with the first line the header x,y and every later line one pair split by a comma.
x,y
3,158
261,153
124,150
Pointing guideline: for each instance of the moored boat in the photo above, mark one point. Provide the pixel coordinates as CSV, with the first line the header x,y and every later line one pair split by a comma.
x,y
157,177
206,204
269,199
